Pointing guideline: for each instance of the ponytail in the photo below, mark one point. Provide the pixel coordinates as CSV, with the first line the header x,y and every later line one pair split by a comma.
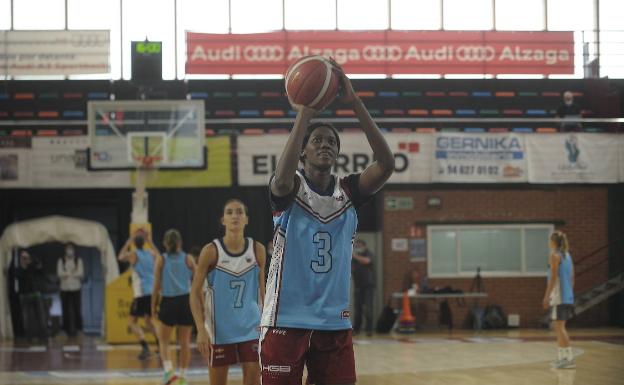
x,y
172,240
561,241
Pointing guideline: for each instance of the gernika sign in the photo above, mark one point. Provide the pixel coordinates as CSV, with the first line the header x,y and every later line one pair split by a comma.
x,y
387,52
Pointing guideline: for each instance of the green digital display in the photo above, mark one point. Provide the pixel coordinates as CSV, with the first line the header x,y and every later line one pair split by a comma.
x,y
148,48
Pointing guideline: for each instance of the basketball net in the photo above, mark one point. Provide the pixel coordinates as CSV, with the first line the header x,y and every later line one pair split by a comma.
x,y
145,166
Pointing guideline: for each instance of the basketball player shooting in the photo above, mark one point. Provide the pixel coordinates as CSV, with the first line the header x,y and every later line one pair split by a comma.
x,y
305,317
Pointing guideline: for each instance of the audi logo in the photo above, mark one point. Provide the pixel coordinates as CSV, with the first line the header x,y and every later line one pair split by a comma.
x,y
382,53
475,53
266,53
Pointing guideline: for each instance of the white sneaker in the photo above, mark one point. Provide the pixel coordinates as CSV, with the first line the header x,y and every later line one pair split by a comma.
x,y
565,364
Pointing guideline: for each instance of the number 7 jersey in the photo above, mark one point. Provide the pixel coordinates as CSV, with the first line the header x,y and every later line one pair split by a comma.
x,y
232,310
309,277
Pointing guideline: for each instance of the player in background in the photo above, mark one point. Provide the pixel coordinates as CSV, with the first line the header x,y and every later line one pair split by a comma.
x,y
142,261
305,318
170,304
559,296
228,318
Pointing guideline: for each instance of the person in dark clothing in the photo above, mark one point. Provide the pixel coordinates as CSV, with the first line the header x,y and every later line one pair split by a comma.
x,y
70,271
29,277
363,275
569,109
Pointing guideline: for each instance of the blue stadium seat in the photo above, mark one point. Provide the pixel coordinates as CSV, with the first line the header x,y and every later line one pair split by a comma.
x,y
465,112
474,129
536,112
522,129
481,94
73,114
249,113
4,96
98,95
388,94
199,95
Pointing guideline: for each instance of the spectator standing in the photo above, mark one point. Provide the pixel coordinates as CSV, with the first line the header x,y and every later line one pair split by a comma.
x,y
29,278
70,271
363,273
568,109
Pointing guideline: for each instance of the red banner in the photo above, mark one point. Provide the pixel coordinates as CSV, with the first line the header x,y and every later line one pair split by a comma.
x,y
385,52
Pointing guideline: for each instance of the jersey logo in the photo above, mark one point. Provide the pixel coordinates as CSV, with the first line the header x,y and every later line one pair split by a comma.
x,y
345,314
277,368
281,332
248,260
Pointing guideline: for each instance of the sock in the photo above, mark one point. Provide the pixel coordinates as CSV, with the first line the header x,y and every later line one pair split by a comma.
x,y
168,366
569,353
143,344
183,372
561,354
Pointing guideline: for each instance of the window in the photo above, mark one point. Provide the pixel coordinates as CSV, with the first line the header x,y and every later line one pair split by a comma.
x,y
514,15
570,15
416,14
498,250
611,39
468,14
362,14
152,20
5,14
38,14
313,15
251,16
96,14
199,16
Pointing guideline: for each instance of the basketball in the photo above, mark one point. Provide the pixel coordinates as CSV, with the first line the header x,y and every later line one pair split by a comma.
x,y
310,81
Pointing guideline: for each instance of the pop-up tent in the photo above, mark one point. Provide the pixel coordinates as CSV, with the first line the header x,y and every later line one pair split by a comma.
x,y
51,229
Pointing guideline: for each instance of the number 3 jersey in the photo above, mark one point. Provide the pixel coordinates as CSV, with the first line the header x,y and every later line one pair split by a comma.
x,y
309,277
232,310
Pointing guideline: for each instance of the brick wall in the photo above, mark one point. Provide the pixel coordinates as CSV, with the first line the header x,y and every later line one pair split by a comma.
x,y
579,211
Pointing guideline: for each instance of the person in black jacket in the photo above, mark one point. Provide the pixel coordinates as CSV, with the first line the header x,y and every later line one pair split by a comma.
x,y
363,273
569,109
29,277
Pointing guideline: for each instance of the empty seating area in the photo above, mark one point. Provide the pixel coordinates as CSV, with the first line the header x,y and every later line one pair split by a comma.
x,y
47,108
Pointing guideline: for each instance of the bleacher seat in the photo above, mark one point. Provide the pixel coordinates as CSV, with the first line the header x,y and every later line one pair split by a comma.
x,y
24,96
292,113
253,131
401,130
504,94
388,94
435,93
536,112
48,95
270,94
425,130
465,112
278,131
594,129
522,129
249,113
527,93
47,132
273,113
21,132
73,95
352,130
481,94
199,95
474,129
246,94
417,112
73,114
222,94
72,132
225,113
551,94
411,94
345,112
489,112
374,112
441,112
546,130
23,114
512,111
96,95
209,132
327,113
48,114
394,112
226,131
450,129
458,93
4,114
498,129
4,96
365,94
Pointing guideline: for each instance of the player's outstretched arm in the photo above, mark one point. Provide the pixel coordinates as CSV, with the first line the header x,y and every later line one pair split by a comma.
x,y
374,176
283,182
207,260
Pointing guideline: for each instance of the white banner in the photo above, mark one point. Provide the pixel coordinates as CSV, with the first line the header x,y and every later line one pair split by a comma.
x,y
54,52
61,162
258,156
15,162
478,158
573,158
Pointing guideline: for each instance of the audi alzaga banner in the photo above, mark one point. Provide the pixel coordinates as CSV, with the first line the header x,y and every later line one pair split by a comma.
x,y
257,157
385,52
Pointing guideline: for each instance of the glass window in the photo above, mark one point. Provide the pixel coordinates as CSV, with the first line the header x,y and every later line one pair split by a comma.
x,y
570,15
468,14
536,249
199,16
491,250
256,16
499,250
443,258
611,39
363,14
96,14
416,14
39,14
514,15
306,14
152,20
5,14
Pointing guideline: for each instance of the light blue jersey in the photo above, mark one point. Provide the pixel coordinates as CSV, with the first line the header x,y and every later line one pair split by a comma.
x,y
143,273
232,310
176,275
563,292
310,272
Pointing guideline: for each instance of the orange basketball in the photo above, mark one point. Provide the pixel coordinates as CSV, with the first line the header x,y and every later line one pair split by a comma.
x,y
310,81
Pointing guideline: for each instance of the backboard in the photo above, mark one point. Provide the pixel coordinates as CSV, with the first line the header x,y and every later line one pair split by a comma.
x,y
169,132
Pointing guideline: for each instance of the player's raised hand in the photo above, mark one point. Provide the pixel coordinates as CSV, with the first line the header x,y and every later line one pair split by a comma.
x,y
347,93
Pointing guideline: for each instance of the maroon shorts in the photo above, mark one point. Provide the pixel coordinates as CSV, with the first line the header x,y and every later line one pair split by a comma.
x,y
230,354
328,356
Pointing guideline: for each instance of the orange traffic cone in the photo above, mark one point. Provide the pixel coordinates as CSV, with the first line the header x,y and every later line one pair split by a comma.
x,y
407,322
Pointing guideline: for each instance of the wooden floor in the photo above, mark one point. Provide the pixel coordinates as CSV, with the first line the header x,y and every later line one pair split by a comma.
x,y
462,358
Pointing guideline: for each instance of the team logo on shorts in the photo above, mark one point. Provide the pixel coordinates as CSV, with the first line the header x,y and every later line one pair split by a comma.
x,y
345,314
